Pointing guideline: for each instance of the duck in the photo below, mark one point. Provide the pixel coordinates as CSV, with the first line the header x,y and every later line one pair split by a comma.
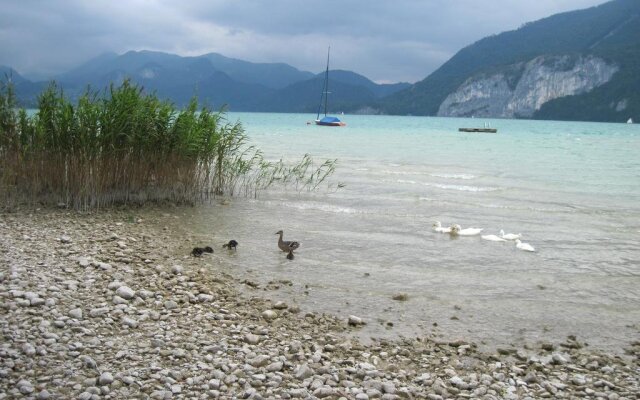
x,y
198,251
231,245
286,245
456,230
493,238
510,236
524,246
437,227
290,255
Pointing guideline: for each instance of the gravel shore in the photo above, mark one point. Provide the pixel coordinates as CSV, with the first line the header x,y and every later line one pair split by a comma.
x,y
111,306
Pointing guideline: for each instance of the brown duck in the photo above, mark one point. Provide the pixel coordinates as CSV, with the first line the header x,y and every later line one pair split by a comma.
x,y
286,245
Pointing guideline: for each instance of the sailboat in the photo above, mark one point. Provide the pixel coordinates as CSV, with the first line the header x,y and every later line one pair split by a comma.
x,y
327,120
630,121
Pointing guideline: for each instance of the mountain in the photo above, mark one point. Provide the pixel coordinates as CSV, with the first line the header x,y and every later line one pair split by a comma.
x,y
26,91
216,80
271,75
579,65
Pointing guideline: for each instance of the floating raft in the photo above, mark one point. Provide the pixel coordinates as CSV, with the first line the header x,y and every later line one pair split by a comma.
x,y
478,130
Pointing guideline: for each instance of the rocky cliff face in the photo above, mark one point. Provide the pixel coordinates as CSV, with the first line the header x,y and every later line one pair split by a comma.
x,y
520,89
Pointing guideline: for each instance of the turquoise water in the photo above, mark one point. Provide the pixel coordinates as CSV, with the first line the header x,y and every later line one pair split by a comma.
x,y
572,190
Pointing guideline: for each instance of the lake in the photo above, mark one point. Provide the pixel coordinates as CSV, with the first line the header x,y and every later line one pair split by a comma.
x,y
571,189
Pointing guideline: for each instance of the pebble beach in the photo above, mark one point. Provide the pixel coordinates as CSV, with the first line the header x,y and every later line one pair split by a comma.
x,y
111,305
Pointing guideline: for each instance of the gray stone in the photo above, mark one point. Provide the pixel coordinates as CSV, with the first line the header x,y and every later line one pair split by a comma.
x,y
130,322
251,339
275,367
324,391
37,301
259,361
75,313
98,312
25,387
269,315
106,378
303,372
28,349
280,305
388,387
170,305
104,266
559,358
126,292
204,298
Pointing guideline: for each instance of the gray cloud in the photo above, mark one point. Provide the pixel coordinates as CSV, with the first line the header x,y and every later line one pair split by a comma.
x,y
387,41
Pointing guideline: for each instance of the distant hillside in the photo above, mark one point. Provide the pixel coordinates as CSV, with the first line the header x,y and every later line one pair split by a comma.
x,y
26,91
216,80
271,75
577,65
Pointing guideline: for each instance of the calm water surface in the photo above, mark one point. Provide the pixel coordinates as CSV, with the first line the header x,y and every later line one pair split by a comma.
x,y
571,189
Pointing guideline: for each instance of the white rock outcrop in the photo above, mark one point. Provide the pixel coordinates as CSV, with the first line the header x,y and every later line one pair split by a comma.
x,y
521,89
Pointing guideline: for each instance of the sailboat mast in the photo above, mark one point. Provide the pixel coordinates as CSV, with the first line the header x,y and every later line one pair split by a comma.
x,y
326,83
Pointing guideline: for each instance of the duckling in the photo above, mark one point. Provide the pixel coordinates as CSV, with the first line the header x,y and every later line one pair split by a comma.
x,y
493,238
524,246
290,255
457,230
231,245
286,245
510,236
208,249
437,227
197,251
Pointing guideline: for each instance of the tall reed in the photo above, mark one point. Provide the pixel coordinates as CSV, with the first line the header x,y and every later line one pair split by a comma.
x,y
128,147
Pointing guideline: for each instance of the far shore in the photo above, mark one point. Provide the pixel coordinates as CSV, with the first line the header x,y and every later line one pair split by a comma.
x,y
111,305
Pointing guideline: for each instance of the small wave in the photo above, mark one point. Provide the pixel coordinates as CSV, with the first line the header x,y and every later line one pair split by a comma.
x,y
323,207
454,176
463,188
389,172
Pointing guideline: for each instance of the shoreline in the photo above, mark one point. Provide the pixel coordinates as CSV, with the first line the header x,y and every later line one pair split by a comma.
x,y
108,305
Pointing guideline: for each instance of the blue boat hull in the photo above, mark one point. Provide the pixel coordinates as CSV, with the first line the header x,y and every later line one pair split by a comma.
x,y
330,121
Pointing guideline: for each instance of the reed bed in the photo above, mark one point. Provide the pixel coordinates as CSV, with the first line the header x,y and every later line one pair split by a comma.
x,y
128,147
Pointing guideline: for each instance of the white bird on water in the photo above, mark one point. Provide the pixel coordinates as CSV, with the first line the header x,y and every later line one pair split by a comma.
x,y
437,227
510,236
524,246
493,238
457,230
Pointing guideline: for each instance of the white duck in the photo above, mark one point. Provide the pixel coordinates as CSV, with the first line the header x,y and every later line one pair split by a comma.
x,y
437,227
493,238
524,246
510,236
456,230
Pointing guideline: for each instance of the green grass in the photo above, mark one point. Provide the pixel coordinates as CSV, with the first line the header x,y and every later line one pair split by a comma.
x,y
128,147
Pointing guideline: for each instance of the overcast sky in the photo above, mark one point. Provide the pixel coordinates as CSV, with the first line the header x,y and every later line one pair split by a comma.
x,y
387,41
